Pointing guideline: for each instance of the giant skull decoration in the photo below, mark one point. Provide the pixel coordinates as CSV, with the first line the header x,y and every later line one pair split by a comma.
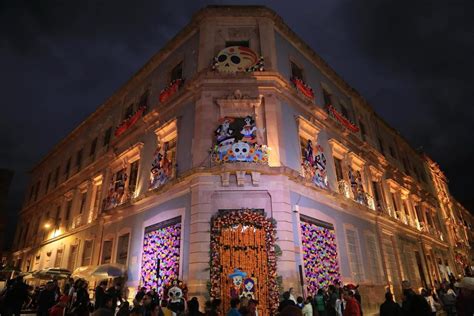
x,y
175,294
236,59
241,150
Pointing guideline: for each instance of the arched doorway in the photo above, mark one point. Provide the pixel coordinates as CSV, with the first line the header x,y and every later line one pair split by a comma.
x,y
243,261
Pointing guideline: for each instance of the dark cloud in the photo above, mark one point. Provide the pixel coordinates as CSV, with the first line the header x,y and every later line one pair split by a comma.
x,y
411,60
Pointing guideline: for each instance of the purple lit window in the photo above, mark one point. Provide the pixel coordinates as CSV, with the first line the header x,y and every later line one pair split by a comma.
x,y
161,249
319,255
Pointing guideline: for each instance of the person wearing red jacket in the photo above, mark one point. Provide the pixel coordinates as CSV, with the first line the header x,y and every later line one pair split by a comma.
x,y
352,305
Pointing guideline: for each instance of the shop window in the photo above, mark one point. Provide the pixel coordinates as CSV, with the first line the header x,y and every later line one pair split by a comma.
x,y
106,251
122,249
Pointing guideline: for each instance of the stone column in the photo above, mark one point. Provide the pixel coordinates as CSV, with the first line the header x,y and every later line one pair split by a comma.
x,y
274,133
206,44
205,122
267,43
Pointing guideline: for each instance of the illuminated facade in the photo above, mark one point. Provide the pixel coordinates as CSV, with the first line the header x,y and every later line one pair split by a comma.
x,y
236,142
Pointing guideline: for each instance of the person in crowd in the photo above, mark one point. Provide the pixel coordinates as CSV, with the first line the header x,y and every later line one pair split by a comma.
x,y
426,293
234,307
67,285
300,302
291,310
215,308
193,307
320,303
155,298
46,299
106,309
389,307
15,296
155,309
136,311
137,301
100,294
448,298
465,299
164,308
308,308
253,308
413,304
352,305
59,308
243,307
339,305
124,309
116,293
293,295
334,294
286,301
81,303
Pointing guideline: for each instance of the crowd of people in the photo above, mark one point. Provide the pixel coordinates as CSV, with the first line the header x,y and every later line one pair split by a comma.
x,y
450,297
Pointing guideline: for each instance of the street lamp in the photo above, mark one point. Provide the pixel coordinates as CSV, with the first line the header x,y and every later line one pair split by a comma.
x,y
47,225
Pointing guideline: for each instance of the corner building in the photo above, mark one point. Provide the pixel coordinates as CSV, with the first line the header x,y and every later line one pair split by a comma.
x,y
237,147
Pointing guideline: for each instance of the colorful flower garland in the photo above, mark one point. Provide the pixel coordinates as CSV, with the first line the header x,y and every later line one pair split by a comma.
x,y
162,244
303,87
170,90
263,227
342,119
319,257
130,121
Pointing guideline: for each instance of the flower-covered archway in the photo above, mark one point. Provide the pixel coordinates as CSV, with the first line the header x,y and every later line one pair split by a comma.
x,y
243,261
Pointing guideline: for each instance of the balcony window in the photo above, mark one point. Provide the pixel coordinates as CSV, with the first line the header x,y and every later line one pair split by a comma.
x,y
93,147
71,262
67,169
129,111
56,177
377,195
48,181
83,202
79,159
338,167
177,72
296,71
327,97
132,183
363,132
67,217
107,135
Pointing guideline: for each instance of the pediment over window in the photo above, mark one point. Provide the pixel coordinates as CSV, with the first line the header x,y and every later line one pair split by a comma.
x,y
238,105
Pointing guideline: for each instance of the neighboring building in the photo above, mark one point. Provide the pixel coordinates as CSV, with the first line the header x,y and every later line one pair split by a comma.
x,y
235,126
6,177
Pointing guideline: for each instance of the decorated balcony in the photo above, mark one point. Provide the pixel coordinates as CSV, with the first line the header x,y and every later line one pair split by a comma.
x,y
171,90
303,87
130,121
344,121
314,165
344,188
236,141
236,59
116,193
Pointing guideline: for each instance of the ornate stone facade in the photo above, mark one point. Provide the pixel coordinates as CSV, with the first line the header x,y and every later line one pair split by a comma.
x,y
238,135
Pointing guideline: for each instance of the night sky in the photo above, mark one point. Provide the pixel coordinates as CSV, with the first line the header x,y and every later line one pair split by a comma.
x,y
412,60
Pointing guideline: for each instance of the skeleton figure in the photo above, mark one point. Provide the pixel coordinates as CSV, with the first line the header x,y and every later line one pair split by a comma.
x,y
224,131
248,131
176,301
249,288
235,59
308,152
237,280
